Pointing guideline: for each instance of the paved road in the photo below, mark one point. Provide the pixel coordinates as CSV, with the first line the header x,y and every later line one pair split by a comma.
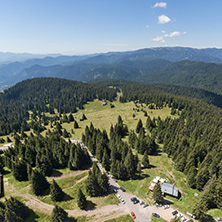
x,y
142,214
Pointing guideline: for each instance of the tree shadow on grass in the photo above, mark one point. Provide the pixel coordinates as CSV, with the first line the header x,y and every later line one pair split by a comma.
x,y
167,202
67,197
90,205
141,176
6,172
32,216
72,219
56,173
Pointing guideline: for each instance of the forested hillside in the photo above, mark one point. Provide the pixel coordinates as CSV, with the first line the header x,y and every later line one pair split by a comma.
x,y
192,92
193,140
176,65
45,95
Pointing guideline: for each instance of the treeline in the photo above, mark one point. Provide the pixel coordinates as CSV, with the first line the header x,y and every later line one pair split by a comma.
x,y
45,95
143,142
166,89
13,210
114,154
193,140
44,154
97,182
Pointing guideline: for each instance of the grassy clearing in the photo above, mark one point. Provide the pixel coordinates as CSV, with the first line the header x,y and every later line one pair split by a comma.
x,y
103,116
215,213
70,187
161,166
124,218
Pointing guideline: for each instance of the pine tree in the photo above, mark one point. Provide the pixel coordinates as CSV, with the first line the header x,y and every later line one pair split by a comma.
x,y
14,209
65,134
71,118
139,126
56,192
130,164
59,215
39,183
92,185
105,161
19,171
145,160
10,216
81,199
157,194
138,168
75,124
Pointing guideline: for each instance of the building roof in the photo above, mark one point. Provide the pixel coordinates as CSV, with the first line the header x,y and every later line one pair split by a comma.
x,y
170,189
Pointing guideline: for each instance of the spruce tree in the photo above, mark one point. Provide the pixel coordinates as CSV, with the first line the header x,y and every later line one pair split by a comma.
x,y
56,192
59,215
19,171
81,199
39,183
75,124
139,126
65,134
145,160
71,118
157,194
105,161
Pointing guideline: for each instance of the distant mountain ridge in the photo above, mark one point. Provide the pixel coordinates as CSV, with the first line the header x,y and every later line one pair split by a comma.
x,y
173,65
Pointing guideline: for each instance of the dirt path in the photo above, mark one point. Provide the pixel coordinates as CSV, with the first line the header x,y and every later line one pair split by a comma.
x,y
109,211
72,174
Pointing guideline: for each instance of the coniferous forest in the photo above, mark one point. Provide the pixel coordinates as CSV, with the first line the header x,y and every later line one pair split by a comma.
x,y
193,140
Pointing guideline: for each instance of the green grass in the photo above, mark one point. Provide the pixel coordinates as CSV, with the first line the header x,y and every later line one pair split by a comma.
x,y
155,219
161,166
70,188
124,218
215,213
103,116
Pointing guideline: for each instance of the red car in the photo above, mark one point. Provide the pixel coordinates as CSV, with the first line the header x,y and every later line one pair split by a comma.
x,y
133,215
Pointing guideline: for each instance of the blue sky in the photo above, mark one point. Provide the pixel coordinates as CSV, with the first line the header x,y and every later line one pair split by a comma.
x,y
89,26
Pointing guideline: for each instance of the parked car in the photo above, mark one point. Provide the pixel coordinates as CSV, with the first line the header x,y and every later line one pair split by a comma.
x,y
159,205
115,180
133,215
155,215
133,198
123,201
142,202
121,188
174,212
166,206
219,219
190,220
115,190
145,205
135,201
183,218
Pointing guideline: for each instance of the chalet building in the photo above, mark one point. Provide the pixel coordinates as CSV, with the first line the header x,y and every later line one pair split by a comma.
x,y
169,189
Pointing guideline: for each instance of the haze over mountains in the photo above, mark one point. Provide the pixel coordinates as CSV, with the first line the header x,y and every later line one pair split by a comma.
x,y
173,65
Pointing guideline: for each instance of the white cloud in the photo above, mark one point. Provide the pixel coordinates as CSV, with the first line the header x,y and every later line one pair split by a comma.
x,y
163,31
172,34
163,19
147,26
160,5
159,39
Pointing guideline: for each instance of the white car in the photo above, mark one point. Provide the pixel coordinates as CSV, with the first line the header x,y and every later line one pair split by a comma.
x,y
183,218
166,206
123,201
